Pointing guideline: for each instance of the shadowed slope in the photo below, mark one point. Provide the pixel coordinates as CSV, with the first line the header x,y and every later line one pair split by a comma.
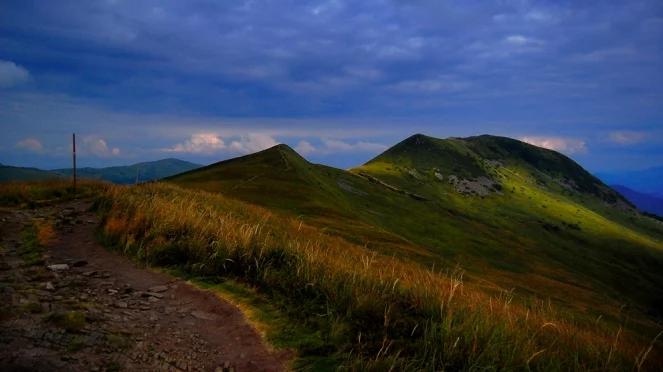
x,y
276,177
9,173
509,213
140,172
279,178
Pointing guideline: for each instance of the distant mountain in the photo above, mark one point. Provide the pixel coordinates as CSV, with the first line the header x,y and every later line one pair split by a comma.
x,y
140,172
9,173
644,202
648,181
522,216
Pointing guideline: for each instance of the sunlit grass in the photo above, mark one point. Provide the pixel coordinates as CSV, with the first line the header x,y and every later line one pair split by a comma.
x,y
374,311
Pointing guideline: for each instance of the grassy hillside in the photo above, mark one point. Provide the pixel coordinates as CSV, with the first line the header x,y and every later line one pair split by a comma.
x,y
129,174
281,179
364,311
338,303
44,192
9,173
513,215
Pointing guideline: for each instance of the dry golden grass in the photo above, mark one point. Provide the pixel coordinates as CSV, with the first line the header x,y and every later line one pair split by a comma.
x,y
45,233
36,193
382,312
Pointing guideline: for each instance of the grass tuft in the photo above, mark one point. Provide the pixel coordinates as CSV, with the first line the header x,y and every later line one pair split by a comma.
x,y
71,321
371,312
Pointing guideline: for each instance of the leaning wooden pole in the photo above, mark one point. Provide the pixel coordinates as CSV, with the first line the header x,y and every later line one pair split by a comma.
x,y
73,140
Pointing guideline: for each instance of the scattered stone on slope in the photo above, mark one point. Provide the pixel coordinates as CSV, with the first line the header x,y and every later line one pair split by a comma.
x,y
481,186
203,315
158,289
493,163
414,173
58,267
343,185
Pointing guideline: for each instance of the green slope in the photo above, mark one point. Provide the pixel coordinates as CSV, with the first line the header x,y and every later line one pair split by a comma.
x,y
281,179
511,214
545,223
9,173
141,172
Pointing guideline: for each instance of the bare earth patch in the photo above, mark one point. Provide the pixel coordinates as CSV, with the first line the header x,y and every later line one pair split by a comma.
x,y
81,307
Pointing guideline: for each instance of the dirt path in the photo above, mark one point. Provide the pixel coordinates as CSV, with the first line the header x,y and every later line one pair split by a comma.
x,y
102,312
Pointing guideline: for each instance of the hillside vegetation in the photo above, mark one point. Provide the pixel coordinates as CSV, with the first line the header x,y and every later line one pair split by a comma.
x,y
514,216
456,254
370,311
9,173
135,173
126,174
43,192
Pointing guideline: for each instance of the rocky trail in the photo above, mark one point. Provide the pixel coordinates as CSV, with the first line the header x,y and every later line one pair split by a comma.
x,y
76,306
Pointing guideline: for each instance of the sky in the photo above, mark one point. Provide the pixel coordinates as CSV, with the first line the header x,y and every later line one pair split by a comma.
x,y
339,81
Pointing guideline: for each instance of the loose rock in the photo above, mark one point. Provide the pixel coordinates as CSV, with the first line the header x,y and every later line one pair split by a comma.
x,y
158,289
58,267
122,304
203,315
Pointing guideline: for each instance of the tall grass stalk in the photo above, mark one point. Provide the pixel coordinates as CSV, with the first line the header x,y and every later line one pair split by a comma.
x,y
380,312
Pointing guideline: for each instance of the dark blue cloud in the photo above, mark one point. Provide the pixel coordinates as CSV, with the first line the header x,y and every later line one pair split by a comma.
x,y
580,70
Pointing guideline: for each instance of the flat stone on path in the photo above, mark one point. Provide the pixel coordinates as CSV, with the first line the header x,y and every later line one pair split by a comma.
x,y
158,289
203,315
122,304
58,267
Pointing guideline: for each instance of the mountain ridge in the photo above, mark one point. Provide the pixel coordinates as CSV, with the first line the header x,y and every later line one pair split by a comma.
x,y
124,174
643,201
468,157
13,173
133,173
472,202
645,181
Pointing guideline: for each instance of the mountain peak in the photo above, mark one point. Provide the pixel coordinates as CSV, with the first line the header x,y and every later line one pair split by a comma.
x,y
417,139
420,150
282,147
466,157
280,151
278,158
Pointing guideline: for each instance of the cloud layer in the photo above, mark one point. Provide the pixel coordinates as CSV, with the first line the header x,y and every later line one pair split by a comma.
x,y
335,146
151,74
300,57
200,143
30,144
12,74
95,146
627,137
565,145
212,143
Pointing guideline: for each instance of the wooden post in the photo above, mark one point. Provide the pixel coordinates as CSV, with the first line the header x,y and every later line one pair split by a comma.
x,y
73,140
